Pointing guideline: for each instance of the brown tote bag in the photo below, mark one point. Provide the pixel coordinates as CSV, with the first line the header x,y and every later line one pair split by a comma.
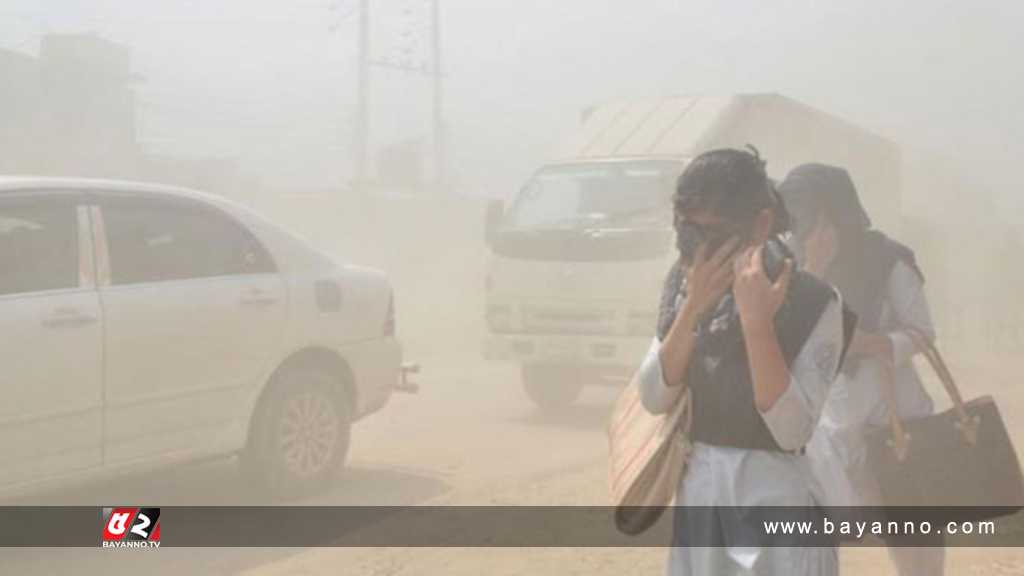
x,y
960,457
648,454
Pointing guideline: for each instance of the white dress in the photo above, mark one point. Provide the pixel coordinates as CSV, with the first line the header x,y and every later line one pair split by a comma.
x,y
724,476
856,404
838,453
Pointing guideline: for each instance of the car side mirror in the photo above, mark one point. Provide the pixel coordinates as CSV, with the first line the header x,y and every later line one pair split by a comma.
x,y
493,216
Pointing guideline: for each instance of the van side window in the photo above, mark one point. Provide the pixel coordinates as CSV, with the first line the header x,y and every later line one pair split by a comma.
x,y
154,241
38,246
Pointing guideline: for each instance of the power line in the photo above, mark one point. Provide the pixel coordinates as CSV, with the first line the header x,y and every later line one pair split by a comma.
x,y
402,63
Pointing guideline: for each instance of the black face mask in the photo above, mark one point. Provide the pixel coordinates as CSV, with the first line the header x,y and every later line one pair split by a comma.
x,y
690,236
688,239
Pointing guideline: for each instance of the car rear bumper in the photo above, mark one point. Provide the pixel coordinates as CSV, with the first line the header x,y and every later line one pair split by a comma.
x,y
376,367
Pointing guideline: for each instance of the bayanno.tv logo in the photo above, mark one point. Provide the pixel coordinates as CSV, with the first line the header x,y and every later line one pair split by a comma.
x,y
131,528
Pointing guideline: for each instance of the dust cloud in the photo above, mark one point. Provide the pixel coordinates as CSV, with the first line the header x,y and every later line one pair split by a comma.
x,y
389,153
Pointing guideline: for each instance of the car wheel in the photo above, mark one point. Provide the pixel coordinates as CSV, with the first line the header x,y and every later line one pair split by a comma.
x,y
301,434
552,387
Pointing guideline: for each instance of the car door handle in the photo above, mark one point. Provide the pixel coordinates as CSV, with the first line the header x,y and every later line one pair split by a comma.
x,y
258,298
68,317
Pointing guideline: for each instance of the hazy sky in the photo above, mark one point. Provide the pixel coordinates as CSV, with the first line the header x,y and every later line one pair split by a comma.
x,y
274,80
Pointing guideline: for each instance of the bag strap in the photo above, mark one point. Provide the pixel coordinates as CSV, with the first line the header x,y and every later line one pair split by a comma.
x,y
966,423
900,440
687,416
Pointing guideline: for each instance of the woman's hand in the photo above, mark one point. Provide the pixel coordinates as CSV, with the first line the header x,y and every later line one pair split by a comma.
x,y
757,297
707,280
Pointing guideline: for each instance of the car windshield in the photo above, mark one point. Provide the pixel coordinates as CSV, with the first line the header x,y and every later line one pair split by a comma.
x,y
597,195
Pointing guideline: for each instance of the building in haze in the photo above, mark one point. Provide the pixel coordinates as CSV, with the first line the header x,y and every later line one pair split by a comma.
x,y
70,110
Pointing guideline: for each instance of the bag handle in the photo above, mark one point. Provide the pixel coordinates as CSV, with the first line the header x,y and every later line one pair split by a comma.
x,y
966,423
900,440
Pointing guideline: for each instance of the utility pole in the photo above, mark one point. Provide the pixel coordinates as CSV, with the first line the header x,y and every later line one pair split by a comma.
x,y
433,70
438,129
361,134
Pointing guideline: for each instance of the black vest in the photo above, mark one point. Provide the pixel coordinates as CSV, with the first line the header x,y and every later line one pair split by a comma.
x,y
724,413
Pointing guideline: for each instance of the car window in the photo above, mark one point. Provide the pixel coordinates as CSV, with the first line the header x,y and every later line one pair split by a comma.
x,y
38,246
160,241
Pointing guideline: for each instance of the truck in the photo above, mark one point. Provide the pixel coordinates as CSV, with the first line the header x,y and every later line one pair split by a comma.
x,y
579,254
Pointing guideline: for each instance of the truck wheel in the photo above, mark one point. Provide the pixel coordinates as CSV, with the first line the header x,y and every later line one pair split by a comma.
x,y
300,435
552,387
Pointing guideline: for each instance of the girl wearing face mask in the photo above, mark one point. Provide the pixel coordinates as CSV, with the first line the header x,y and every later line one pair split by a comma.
x,y
758,343
879,279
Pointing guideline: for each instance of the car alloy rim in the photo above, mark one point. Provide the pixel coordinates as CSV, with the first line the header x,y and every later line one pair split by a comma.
x,y
308,433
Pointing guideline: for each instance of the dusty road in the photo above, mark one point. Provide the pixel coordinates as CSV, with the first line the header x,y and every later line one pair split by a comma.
x,y
470,437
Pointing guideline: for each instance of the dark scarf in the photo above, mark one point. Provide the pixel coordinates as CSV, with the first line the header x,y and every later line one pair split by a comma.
x,y
718,373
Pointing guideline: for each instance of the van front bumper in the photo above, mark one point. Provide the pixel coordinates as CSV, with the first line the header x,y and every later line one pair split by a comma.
x,y
593,350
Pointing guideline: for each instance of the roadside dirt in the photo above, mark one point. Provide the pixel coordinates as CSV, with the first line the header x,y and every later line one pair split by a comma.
x,y
582,487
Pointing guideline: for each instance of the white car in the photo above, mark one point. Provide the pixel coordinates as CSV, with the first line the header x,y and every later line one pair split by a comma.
x,y
145,325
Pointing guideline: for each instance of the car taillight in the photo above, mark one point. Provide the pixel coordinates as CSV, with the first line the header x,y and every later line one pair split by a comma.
x,y
389,319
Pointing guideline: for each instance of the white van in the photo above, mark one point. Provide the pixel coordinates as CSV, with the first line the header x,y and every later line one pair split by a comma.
x,y
580,253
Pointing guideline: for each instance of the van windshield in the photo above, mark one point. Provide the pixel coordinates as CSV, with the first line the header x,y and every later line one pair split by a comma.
x,y
597,195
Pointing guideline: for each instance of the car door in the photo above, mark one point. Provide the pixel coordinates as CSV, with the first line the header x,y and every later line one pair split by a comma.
x,y
195,313
50,339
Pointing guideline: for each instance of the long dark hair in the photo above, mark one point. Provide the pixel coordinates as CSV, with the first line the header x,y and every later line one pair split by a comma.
x,y
729,183
865,256
811,189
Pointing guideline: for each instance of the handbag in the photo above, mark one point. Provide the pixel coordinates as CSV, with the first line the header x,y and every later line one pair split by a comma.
x,y
648,454
962,457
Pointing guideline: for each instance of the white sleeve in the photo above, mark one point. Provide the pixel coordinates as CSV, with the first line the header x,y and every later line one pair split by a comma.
x,y
794,415
909,308
656,396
